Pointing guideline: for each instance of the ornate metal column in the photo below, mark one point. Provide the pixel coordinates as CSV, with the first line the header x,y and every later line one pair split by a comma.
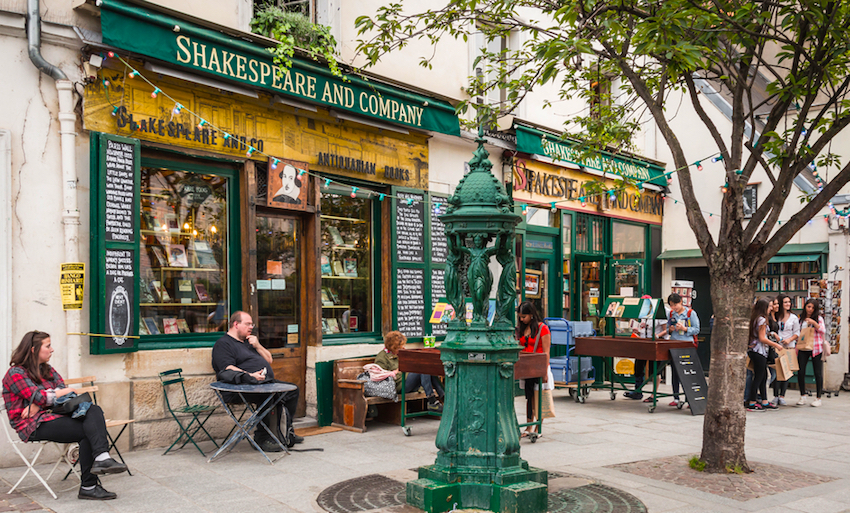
x,y
479,464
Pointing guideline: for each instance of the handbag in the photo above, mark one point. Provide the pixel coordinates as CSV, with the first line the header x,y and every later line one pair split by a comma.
x,y
807,339
547,409
70,405
384,388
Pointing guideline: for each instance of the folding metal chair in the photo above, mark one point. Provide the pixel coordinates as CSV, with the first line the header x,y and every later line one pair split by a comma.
x,y
65,454
195,410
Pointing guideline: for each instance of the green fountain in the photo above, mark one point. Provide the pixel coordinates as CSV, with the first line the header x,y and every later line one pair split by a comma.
x,y
478,465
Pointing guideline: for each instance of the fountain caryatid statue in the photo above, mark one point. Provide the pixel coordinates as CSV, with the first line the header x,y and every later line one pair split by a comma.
x,y
478,464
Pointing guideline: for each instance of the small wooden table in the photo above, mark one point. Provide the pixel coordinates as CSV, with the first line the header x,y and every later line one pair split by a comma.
x,y
629,347
427,361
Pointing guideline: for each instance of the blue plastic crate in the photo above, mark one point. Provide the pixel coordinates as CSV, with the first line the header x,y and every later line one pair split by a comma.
x,y
561,332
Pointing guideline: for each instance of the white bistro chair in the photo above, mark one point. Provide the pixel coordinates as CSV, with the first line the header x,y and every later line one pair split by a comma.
x,y
67,453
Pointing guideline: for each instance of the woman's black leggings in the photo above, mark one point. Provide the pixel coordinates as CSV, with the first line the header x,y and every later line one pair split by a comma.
x,y
529,399
89,431
759,376
817,366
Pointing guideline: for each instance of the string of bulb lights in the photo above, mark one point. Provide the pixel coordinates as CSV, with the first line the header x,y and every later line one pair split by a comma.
x,y
204,124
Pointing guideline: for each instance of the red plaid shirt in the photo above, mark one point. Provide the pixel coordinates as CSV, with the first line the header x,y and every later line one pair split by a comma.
x,y
19,391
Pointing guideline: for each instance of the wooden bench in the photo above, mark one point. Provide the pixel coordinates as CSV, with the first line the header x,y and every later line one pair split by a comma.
x,y
350,405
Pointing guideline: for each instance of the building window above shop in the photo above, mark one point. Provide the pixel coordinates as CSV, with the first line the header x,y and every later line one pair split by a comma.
x,y
629,241
183,257
750,199
346,263
590,234
305,8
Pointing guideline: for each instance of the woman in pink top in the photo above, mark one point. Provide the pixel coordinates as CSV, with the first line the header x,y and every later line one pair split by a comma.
x,y
811,318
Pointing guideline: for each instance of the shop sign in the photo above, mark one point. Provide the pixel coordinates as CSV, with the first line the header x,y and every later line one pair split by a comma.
x,y
536,142
288,185
202,50
396,159
545,183
72,284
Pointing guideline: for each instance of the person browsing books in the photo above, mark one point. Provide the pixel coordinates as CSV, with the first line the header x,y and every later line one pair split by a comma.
x,y
240,352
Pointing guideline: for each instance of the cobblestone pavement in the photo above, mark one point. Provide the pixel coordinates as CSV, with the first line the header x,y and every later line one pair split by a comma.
x,y
17,501
766,479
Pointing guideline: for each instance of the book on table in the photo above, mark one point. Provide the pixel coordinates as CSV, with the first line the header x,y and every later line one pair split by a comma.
x,y
203,295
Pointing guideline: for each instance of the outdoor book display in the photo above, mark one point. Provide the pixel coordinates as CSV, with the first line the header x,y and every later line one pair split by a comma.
x,y
655,352
828,294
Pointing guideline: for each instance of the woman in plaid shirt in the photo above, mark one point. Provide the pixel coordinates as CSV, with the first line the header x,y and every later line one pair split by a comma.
x,y
30,388
811,318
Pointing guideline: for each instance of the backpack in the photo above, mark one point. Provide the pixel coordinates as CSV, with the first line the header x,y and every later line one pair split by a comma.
x,y
687,323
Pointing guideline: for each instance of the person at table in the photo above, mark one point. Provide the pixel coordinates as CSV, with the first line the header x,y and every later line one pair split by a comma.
x,y
30,387
387,359
682,324
238,350
534,337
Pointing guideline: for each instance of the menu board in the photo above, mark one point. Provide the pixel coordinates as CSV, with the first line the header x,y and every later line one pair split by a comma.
x,y
118,286
410,310
439,246
438,293
686,365
410,228
119,191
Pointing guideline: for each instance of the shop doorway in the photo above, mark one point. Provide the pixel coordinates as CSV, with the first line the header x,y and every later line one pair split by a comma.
x,y
540,283
701,303
279,302
589,287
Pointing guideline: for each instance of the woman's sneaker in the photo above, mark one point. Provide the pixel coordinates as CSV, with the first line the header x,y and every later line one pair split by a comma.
x,y
769,406
781,401
754,407
816,402
802,400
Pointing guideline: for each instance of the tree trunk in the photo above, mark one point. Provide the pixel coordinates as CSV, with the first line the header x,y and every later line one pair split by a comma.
x,y
726,417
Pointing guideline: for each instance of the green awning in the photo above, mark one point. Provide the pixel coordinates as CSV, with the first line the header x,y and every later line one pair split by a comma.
x,y
794,258
680,253
207,51
536,142
789,253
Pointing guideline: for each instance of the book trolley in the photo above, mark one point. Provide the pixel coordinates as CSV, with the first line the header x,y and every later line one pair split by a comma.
x,y
650,349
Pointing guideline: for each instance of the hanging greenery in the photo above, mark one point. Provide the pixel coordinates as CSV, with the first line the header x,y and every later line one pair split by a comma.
x,y
294,30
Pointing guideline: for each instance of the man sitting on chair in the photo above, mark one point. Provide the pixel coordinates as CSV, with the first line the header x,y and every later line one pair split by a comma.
x,y
242,352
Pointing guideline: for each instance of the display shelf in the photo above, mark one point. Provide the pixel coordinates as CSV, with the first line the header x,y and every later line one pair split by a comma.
x,y
168,233
346,307
324,277
348,219
189,269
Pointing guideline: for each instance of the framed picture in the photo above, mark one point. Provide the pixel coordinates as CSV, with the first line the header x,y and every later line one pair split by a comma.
x,y
533,284
288,184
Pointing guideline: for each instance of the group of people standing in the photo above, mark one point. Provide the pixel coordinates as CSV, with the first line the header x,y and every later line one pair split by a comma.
x,y
773,326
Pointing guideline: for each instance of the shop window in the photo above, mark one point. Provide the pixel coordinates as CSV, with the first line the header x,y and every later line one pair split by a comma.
x,y
566,243
629,241
590,234
600,95
541,217
346,263
183,252
305,8
750,199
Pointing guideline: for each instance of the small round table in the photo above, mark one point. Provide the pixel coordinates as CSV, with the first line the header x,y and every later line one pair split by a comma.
x,y
243,430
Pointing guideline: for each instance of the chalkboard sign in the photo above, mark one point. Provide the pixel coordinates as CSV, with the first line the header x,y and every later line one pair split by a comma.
x,y
439,246
119,286
410,228
687,366
438,293
120,191
410,310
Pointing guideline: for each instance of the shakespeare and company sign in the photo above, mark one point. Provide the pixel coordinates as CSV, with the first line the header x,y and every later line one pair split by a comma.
x,y
540,183
176,41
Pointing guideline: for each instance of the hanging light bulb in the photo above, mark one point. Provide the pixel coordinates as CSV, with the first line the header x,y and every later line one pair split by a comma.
x,y
699,166
133,74
195,232
525,210
114,111
186,226
213,229
301,173
250,151
354,192
201,124
327,182
275,162
724,188
437,208
226,136
110,54
718,158
553,208
155,92
177,108
164,228
381,197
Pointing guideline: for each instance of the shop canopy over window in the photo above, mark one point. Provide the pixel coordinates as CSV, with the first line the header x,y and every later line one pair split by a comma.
x,y
245,58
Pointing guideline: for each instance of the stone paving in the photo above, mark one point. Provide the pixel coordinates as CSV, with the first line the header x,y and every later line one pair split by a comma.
x,y
18,501
766,479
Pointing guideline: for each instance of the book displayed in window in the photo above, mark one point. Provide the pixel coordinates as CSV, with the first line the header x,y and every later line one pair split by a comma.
x,y
350,267
335,236
333,324
184,241
143,329
338,269
326,265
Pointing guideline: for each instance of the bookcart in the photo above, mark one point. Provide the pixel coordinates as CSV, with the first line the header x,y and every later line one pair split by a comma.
x,y
828,294
608,347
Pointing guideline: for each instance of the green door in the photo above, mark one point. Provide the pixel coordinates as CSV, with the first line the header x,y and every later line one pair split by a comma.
x,y
589,288
542,275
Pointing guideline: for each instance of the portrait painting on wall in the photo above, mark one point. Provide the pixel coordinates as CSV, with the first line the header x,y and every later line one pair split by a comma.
x,y
288,184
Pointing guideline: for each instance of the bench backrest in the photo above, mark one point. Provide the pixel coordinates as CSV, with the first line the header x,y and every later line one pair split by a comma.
x,y
349,368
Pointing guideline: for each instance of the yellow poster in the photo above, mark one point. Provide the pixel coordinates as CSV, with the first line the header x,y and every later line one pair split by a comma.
x,y
72,285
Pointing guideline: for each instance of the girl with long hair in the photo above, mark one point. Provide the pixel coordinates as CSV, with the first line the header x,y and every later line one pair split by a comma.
x,y
789,332
759,345
811,318
534,337
30,388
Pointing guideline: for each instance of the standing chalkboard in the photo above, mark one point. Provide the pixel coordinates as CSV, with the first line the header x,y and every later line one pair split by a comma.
x,y
410,313
120,190
114,309
118,288
438,294
687,366
410,228
439,246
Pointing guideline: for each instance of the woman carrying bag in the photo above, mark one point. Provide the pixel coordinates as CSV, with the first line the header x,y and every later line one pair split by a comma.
x,y
534,337
759,348
789,332
811,345
30,388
